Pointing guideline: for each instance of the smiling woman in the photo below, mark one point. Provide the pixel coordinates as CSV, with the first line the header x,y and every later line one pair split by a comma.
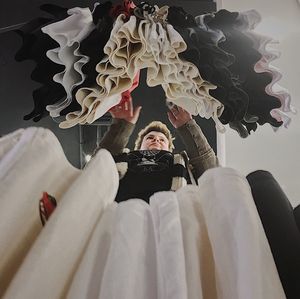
x,y
155,135
155,140
153,166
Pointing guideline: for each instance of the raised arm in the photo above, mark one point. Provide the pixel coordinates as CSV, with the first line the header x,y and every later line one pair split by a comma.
x,y
201,155
118,134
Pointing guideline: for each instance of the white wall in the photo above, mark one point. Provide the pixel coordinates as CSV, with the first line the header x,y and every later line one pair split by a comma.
x,y
277,152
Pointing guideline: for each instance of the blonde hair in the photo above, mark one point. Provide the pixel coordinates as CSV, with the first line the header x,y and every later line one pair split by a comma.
x,y
157,126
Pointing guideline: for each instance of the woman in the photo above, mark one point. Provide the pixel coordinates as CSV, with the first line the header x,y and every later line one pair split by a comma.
x,y
152,166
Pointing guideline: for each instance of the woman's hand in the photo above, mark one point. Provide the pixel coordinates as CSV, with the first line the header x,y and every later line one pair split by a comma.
x,y
126,111
178,116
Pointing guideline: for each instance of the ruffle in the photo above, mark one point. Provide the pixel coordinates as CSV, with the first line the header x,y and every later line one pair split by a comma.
x,y
35,44
126,95
213,65
113,79
263,44
212,62
253,84
92,47
127,52
68,33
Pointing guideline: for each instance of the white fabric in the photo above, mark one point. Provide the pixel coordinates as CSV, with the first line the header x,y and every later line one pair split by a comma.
x,y
49,266
112,79
69,33
244,265
87,279
120,260
130,271
136,251
180,79
91,104
204,241
136,45
199,260
169,246
24,175
8,141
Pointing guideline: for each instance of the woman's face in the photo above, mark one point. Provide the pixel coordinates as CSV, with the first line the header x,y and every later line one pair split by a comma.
x,y
155,141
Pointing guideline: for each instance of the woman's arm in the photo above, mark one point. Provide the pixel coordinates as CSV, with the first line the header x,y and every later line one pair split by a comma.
x,y
201,155
118,134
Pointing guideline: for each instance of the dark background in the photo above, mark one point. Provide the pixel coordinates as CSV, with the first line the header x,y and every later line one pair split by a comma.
x,y
16,86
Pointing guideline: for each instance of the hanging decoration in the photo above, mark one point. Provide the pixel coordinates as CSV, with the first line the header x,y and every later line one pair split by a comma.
x,y
214,65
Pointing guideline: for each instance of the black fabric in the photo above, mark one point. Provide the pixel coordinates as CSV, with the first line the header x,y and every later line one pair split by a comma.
x,y
297,216
228,63
148,172
47,94
279,223
254,84
34,46
212,62
143,9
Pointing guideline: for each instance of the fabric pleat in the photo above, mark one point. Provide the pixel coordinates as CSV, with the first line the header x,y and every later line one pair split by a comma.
x,y
211,240
7,142
92,47
254,84
68,33
169,246
125,249
212,62
263,44
131,270
139,253
244,265
24,154
54,256
86,282
199,260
